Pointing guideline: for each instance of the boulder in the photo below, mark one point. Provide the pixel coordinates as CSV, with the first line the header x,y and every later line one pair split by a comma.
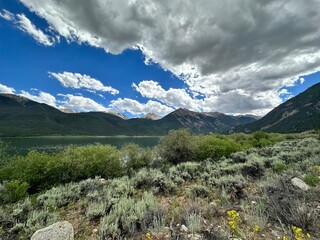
x,y
297,182
57,231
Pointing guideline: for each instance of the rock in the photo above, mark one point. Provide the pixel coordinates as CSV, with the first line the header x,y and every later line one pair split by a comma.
x,y
184,228
297,182
57,231
213,204
102,181
194,237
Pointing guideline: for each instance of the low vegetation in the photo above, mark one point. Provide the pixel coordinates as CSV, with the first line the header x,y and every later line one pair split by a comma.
x,y
200,187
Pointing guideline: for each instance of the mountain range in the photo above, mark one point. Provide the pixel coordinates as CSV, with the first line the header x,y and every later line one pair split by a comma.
x,y
20,116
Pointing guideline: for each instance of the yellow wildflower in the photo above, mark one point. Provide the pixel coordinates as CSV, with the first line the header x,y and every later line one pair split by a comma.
x,y
233,218
256,228
148,236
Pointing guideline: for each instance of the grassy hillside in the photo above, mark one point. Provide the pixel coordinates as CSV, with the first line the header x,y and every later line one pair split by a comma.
x,y
229,189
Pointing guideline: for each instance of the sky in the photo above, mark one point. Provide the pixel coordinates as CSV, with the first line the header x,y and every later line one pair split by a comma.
x,y
146,56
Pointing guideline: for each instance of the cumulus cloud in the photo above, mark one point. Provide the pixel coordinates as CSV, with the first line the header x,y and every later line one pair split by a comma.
x,y
137,108
41,97
244,48
233,102
80,103
78,81
76,103
28,27
6,89
177,98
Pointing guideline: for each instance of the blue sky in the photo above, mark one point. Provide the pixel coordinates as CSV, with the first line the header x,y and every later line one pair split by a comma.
x,y
136,58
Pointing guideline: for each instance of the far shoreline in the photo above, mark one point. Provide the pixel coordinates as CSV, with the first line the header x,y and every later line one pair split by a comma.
x,y
83,136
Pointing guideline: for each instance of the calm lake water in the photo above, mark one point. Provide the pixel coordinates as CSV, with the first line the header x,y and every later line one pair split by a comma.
x,y
22,145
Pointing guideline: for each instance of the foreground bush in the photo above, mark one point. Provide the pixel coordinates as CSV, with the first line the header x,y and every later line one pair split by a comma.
x,y
42,170
215,147
178,146
135,157
13,191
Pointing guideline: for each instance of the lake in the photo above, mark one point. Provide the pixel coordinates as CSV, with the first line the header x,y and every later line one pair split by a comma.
x,y
22,145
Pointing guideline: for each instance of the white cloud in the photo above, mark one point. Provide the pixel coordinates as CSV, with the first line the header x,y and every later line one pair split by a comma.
x,y
28,27
78,81
80,103
5,14
137,108
6,89
41,97
301,80
243,48
233,102
177,98
284,92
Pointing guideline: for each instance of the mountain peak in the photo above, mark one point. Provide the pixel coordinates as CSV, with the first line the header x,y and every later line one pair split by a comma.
x,y
151,116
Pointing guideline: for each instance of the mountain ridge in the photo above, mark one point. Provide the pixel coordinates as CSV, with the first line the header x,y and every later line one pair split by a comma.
x,y
20,116
298,114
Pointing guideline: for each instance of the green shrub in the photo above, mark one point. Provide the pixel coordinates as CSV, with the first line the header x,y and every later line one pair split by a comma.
x,y
96,209
215,147
135,157
232,185
193,222
44,170
91,161
60,196
21,210
177,147
263,139
128,216
121,187
39,219
13,191
254,167
312,179
278,166
189,170
155,179
199,191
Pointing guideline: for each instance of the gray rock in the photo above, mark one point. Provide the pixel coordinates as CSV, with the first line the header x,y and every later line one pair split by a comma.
x,y
297,182
57,231
184,228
